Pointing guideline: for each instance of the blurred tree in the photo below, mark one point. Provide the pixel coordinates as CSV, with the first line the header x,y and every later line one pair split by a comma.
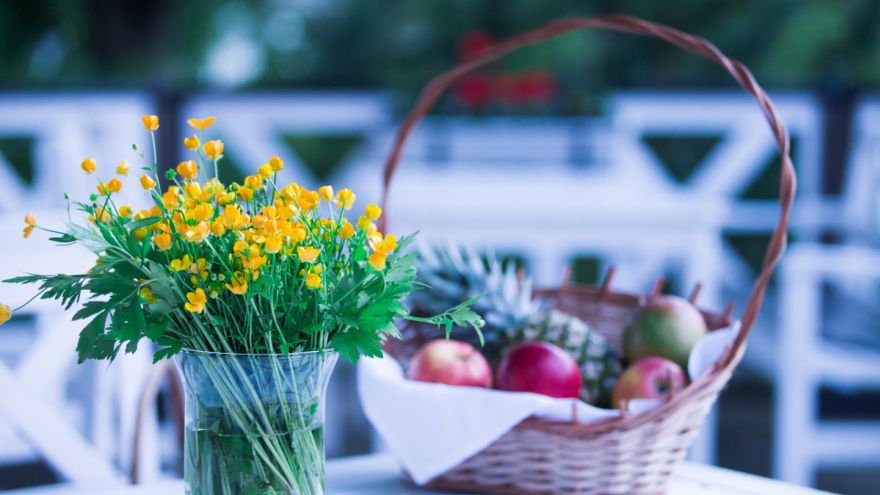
x,y
399,44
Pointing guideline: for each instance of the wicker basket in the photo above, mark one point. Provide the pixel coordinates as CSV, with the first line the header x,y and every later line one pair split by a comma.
x,y
632,454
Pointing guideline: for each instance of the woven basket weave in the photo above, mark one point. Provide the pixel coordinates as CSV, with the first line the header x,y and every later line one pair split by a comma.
x,y
632,454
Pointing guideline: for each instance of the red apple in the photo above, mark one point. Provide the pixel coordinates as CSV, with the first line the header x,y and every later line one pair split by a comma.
x,y
541,368
668,326
649,378
450,362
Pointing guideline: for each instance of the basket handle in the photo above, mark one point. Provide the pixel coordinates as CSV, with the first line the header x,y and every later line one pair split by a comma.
x,y
633,25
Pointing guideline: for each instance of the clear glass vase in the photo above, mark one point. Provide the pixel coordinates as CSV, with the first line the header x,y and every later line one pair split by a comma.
x,y
254,422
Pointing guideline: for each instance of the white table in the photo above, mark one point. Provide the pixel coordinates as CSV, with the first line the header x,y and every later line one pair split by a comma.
x,y
378,474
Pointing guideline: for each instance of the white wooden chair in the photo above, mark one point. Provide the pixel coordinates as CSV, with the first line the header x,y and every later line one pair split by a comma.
x,y
819,338
79,419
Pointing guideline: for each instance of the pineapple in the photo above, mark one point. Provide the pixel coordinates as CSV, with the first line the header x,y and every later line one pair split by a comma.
x,y
455,274
600,365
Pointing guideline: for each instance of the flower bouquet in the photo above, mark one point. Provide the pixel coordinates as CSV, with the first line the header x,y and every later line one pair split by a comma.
x,y
255,287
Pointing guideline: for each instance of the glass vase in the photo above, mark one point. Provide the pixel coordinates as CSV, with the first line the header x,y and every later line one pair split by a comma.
x,y
254,422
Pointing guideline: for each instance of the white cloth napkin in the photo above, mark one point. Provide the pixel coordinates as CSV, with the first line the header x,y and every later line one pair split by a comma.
x,y
431,428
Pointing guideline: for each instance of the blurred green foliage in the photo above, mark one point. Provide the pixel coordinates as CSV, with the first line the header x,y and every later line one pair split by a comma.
x,y
399,44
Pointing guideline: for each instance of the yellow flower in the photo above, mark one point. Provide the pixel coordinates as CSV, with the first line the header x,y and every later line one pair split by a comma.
x,y
217,227
238,284
31,222
163,242
151,122
5,313
147,295
384,246
377,260
201,124
125,211
308,254
245,193
188,169
254,181
313,281
373,211
196,302
113,186
196,234
276,163
225,198
181,264
171,198
213,149
265,170
192,142
296,232
147,182
88,165
364,222
345,199
273,243
200,268
101,215
347,230
122,168
326,192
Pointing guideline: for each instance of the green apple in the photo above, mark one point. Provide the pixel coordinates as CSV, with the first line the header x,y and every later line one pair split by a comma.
x,y
668,327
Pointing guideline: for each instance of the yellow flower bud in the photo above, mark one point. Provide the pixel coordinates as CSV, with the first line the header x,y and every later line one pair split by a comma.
x,y
345,199
213,149
192,142
313,281
373,212
276,163
147,182
162,241
88,165
31,223
5,313
188,169
201,124
265,170
364,222
125,211
326,192
151,122
122,168
245,193
347,230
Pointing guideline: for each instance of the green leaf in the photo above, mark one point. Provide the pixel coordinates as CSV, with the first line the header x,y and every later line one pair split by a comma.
x,y
166,352
63,239
354,343
93,342
144,222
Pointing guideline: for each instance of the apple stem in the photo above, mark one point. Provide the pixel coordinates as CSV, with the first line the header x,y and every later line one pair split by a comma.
x,y
695,293
728,312
658,287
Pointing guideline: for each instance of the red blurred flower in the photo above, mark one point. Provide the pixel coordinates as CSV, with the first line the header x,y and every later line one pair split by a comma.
x,y
474,43
475,90
537,86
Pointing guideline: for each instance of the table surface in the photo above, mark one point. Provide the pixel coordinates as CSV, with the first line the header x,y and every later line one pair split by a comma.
x,y
379,474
